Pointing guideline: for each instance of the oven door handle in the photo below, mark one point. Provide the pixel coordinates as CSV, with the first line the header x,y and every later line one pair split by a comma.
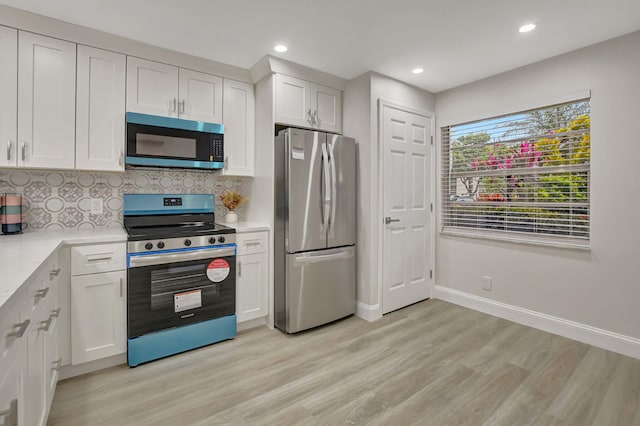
x,y
136,261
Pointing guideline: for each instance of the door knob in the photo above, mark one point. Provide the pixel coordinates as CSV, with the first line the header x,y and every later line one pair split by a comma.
x,y
388,220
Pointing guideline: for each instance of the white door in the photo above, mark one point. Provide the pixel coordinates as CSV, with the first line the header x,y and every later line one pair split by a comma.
x,y
293,105
100,121
326,107
407,234
9,96
98,312
46,102
152,87
239,128
251,290
200,96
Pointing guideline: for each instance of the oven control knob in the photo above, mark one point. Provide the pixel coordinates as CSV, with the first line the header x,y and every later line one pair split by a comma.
x,y
187,242
160,245
221,239
212,240
148,246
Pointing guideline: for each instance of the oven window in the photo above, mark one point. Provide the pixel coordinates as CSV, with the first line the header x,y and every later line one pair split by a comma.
x,y
172,280
165,146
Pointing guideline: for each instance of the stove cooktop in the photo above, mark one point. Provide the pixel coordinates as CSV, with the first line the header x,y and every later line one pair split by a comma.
x,y
176,231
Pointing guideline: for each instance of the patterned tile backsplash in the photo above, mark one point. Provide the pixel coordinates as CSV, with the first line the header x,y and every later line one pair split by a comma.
x,y
62,199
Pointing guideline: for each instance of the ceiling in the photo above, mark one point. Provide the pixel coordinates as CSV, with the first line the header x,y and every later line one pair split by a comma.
x,y
456,41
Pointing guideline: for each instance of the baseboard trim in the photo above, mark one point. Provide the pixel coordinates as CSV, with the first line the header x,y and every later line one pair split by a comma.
x,y
368,312
70,371
625,345
256,322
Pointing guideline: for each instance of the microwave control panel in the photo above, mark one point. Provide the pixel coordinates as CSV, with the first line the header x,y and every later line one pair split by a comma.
x,y
217,148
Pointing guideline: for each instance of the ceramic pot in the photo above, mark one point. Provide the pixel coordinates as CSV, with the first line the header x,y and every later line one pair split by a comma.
x,y
231,217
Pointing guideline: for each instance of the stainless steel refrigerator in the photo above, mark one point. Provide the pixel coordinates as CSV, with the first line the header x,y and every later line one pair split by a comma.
x,y
315,229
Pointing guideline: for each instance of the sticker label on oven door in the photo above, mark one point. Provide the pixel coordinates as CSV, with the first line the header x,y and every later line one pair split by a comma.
x,y
218,270
187,300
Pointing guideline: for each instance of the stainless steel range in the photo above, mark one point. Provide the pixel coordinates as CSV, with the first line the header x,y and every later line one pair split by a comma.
x,y
181,273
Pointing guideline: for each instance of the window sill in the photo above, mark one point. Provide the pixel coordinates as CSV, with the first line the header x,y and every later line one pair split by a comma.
x,y
510,237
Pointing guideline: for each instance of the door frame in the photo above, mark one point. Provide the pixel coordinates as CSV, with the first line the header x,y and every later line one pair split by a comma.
x,y
382,103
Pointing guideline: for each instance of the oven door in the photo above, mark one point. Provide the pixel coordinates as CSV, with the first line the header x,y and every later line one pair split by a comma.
x,y
179,287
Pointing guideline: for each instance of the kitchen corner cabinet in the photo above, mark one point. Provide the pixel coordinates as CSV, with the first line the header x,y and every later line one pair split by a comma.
x,y
239,128
252,276
29,356
100,110
302,103
169,91
9,95
98,301
46,102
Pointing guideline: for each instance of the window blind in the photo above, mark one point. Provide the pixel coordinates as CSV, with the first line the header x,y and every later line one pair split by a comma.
x,y
522,177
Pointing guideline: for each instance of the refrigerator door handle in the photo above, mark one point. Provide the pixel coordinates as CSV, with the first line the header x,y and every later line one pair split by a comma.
x,y
326,196
334,187
314,258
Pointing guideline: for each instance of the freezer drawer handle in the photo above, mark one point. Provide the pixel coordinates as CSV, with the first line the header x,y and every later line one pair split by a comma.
x,y
314,258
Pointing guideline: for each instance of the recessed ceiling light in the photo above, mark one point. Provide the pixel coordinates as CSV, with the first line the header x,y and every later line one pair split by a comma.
x,y
280,48
526,28
418,70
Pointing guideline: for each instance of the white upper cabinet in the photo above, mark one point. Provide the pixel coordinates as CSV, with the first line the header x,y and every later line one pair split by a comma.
x,y
200,96
239,128
304,104
169,91
9,96
46,102
100,120
326,108
152,87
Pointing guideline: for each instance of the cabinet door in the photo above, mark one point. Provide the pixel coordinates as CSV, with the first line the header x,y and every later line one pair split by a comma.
x,y
326,105
9,96
12,400
292,101
46,102
98,313
152,87
35,386
239,128
251,287
200,96
100,121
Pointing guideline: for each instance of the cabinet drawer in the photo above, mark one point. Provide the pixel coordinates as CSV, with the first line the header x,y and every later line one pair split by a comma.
x,y
93,259
251,243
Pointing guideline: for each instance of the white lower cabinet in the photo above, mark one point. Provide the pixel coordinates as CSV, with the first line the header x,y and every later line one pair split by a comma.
x,y
98,301
12,400
252,276
98,313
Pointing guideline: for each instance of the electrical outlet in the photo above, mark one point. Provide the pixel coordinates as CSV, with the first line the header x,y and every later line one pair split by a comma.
x,y
97,206
487,283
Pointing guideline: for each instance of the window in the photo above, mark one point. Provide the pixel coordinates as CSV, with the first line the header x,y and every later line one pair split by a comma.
x,y
523,176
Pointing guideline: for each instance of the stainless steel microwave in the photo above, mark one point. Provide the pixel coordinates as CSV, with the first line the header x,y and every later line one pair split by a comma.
x,y
154,141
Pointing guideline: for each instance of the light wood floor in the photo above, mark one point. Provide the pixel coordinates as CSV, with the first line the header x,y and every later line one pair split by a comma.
x,y
432,363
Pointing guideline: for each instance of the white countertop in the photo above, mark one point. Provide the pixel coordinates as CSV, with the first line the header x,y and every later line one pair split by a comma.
x,y
248,226
22,254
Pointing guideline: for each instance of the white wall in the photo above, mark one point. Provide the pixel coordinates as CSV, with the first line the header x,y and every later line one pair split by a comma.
x,y
361,121
600,287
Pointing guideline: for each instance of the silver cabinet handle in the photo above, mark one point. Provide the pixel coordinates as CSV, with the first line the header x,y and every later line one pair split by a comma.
x,y
181,106
174,103
121,285
56,312
24,151
44,325
226,162
9,143
57,364
310,119
388,220
54,273
10,414
315,117
120,157
42,293
239,269
21,328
